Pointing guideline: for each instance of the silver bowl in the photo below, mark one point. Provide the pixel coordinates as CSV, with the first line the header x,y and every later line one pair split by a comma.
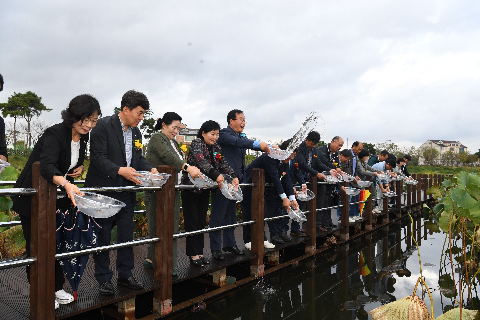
x,y
229,191
364,184
279,154
149,179
352,191
98,206
297,215
200,183
304,195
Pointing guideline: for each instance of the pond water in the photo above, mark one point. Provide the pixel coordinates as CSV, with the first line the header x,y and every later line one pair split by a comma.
x,y
343,284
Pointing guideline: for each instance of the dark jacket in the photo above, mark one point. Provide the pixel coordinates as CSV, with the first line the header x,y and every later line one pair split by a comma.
x,y
276,172
233,147
209,159
107,154
315,166
405,171
3,143
329,160
53,150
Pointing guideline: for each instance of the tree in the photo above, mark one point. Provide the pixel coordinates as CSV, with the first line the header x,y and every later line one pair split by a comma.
x,y
26,105
448,158
430,154
465,157
370,147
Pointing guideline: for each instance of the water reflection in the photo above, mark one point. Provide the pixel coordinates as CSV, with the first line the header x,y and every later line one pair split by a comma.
x,y
376,270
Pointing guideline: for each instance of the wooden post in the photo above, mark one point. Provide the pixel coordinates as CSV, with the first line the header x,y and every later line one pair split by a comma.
x,y
398,198
311,228
385,217
42,247
425,186
368,206
257,268
345,224
409,197
418,188
163,262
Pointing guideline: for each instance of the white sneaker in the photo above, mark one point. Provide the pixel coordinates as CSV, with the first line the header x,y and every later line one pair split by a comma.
x,y
268,245
248,246
57,305
63,297
376,210
351,219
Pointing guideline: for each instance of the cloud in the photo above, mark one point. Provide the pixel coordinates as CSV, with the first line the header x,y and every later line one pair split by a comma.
x,y
382,70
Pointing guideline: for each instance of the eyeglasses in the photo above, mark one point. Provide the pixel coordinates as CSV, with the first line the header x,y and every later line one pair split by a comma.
x,y
241,120
92,121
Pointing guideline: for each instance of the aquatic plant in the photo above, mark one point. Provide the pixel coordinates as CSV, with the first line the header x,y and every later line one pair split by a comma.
x,y
457,213
411,307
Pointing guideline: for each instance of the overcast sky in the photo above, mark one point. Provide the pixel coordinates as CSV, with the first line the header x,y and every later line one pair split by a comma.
x,y
404,71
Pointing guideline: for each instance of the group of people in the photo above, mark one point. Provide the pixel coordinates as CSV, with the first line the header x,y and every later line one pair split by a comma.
x,y
116,157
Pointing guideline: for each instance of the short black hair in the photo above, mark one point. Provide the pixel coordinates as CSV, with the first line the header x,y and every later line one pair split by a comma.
x,y
400,160
391,163
407,157
232,115
363,153
81,107
284,145
346,153
207,126
336,138
384,153
132,99
1,82
313,136
168,118
355,144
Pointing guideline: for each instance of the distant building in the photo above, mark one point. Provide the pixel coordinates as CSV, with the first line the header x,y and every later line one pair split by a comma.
x,y
186,135
442,146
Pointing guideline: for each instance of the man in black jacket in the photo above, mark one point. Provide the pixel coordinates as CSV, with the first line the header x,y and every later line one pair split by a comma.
x,y
114,160
407,159
309,163
328,156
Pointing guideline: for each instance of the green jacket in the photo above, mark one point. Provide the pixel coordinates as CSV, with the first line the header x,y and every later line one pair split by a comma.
x,y
160,152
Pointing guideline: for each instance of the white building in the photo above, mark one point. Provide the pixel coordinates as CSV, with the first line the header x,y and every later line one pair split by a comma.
x,y
442,146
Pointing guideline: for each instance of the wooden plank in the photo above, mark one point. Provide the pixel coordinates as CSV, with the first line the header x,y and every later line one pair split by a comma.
x,y
311,227
345,224
163,262
42,273
257,268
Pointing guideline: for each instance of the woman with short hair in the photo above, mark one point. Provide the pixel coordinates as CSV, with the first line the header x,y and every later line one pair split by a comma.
x,y
61,151
163,149
205,154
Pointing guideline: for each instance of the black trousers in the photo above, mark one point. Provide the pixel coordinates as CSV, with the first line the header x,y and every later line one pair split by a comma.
x,y
125,258
195,206
27,234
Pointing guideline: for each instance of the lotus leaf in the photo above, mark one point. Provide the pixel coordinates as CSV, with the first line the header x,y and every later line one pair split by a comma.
x,y
455,314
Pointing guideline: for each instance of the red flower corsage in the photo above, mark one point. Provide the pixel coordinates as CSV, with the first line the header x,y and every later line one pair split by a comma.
x,y
283,174
218,156
314,155
296,165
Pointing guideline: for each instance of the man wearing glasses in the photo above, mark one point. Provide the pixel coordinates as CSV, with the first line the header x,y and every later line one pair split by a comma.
x,y
234,144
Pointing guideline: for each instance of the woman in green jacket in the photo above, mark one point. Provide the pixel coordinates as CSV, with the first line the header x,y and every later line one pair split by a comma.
x,y
163,149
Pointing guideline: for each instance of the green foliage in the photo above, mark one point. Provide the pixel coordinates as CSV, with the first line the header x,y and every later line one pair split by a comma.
x,y
430,155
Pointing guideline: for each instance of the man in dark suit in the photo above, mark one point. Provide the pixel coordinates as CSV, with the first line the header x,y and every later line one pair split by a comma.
x,y
234,144
407,159
114,160
328,156
277,197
